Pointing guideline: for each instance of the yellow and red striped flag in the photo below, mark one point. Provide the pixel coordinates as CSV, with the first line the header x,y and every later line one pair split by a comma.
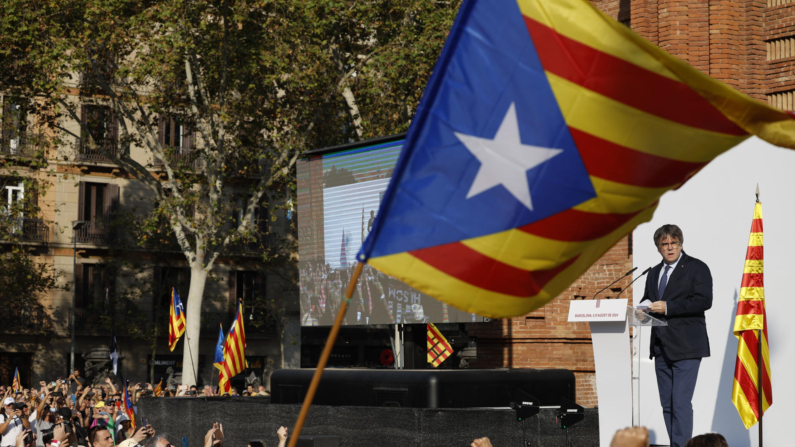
x,y
547,132
438,347
158,389
176,321
234,352
751,317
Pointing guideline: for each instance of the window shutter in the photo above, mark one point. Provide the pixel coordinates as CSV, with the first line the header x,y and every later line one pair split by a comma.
x,y
111,204
114,126
79,286
232,288
81,202
7,131
184,285
157,288
161,131
262,224
187,137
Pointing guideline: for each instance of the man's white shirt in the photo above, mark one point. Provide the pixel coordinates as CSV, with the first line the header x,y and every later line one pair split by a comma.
x,y
14,428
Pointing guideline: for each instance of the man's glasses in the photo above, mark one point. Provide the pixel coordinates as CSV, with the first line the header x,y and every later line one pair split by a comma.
x,y
665,245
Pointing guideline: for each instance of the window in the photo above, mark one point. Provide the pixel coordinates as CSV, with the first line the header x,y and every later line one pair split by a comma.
x,y
165,279
97,201
173,133
99,123
12,196
94,287
14,125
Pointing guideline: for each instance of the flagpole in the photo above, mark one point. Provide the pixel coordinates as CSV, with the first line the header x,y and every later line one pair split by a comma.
x,y
759,384
321,364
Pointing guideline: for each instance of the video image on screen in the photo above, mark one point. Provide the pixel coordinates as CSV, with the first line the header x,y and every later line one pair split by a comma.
x,y
339,195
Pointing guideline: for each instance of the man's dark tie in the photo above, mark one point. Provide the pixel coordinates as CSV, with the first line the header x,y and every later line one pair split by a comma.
x,y
664,281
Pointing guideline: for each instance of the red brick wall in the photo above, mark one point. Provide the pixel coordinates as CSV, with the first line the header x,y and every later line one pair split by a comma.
x,y
725,39
544,339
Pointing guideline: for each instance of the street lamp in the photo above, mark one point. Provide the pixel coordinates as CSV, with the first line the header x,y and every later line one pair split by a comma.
x,y
76,225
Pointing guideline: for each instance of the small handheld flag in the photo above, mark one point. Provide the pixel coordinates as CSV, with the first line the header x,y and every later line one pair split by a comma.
x,y
219,349
751,319
438,347
127,405
546,133
16,383
176,324
158,389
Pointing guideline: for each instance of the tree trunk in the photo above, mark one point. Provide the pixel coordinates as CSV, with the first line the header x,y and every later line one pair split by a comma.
x,y
190,354
353,109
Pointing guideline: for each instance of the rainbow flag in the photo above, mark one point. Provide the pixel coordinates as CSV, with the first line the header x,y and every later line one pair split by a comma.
x,y
16,383
751,317
438,347
234,352
546,133
176,321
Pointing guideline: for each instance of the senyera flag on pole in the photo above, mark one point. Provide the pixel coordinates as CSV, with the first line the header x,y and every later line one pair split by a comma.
x,y
547,132
234,351
751,318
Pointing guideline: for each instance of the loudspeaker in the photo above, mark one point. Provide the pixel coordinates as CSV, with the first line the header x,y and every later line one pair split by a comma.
x,y
317,441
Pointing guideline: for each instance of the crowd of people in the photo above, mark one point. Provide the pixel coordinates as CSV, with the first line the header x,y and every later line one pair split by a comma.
x,y
70,413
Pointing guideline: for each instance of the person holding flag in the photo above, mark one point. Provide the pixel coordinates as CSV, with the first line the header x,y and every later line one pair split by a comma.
x,y
16,384
158,389
176,321
234,353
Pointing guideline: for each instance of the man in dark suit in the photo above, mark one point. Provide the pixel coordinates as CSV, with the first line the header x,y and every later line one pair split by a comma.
x,y
680,290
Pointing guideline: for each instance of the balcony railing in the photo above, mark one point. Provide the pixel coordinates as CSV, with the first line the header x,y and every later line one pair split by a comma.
x,y
97,154
179,155
23,145
24,319
97,232
27,229
96,321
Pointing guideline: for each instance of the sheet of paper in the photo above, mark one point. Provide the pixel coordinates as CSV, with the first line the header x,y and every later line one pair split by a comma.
x,y
644,305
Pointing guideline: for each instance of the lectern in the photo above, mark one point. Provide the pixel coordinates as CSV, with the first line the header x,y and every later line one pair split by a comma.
x,y
613,361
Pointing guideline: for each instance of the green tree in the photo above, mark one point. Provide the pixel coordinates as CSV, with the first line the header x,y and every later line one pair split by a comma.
x,y
255,82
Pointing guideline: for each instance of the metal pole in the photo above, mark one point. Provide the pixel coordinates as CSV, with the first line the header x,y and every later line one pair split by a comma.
x,y
759,385
74,301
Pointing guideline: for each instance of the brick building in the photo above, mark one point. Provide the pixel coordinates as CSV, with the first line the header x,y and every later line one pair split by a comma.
x,y
749,45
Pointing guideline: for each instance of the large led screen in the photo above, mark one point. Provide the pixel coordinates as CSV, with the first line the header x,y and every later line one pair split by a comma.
x,y
339,194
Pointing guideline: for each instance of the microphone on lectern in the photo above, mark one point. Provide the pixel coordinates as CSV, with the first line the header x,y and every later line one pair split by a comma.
x,y
633,281
619,279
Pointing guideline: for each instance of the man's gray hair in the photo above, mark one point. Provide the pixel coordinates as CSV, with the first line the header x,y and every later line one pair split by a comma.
x,y
152,442
668,230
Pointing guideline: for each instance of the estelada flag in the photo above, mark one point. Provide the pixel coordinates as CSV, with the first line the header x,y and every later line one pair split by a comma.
x,y
438,347
546,133
176,321
218,362
16,384
752,317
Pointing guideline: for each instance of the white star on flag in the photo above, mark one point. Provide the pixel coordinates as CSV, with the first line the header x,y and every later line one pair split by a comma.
x,y
504,160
